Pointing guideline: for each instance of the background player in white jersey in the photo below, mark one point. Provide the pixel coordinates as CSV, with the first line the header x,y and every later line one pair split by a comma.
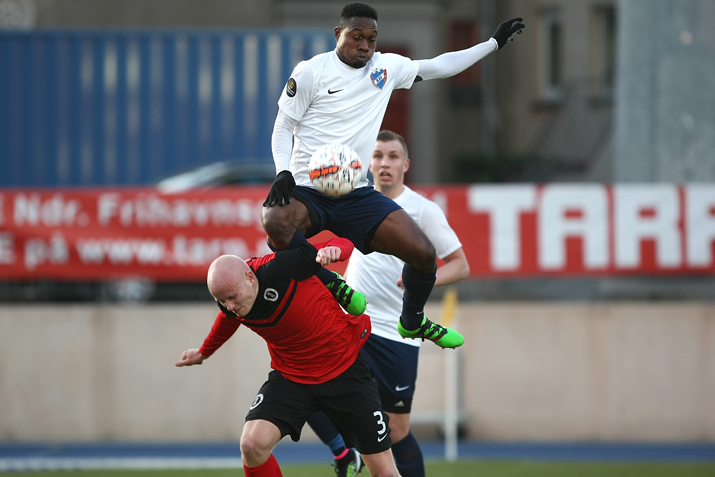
x,y
340,97
392,359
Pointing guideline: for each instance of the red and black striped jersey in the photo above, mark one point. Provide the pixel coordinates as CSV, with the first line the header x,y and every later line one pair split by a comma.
x,y
310,338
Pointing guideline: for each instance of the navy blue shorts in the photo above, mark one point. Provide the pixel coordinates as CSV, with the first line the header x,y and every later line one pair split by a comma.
x,y
355,216
394,367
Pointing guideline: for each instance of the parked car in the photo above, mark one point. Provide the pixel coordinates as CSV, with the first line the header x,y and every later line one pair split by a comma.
x,y
220,174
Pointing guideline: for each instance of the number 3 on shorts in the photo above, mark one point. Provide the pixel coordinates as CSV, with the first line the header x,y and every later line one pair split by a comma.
x,y
382,433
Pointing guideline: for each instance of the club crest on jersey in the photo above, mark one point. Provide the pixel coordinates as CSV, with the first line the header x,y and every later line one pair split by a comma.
x,y
379,78
256,402
271,294
291,87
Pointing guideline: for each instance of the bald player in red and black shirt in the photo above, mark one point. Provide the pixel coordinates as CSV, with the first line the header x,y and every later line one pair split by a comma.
x,y
314,348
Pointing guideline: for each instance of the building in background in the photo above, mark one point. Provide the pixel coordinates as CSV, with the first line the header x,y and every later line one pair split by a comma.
x,y
539,110
594,90
665,101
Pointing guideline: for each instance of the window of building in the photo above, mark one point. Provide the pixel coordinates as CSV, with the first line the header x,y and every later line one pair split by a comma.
x,y
603,50
551,55
464,88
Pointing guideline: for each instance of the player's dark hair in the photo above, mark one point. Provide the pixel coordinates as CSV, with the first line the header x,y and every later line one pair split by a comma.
x,y
356,10
386,136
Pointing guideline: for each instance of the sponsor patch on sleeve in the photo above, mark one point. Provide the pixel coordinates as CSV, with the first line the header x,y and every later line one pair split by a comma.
x,y
291,87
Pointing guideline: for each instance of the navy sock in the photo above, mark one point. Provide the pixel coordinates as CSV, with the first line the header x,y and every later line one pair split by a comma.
x,y
326,276
327,432
408,457
297,239
418,287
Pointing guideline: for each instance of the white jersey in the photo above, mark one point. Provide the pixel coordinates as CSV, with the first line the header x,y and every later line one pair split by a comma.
x,y
375,275
336,103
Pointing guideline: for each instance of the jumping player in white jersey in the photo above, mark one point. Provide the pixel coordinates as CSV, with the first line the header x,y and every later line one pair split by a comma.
x,y
341,97
392,359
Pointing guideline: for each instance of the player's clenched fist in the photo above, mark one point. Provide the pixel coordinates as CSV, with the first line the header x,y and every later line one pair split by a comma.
x,y
190,357
328,255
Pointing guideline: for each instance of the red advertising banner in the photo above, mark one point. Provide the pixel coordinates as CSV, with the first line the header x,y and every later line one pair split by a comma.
x,y
506,230
582,229
126,233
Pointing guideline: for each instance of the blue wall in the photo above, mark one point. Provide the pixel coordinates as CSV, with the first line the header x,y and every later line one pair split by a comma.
x,y
131,107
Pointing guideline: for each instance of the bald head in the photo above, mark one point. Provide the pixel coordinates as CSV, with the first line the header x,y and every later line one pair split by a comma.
x,y
232,283
225,271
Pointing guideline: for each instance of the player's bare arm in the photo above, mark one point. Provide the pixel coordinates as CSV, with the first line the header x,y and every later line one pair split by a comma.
x,y
454,269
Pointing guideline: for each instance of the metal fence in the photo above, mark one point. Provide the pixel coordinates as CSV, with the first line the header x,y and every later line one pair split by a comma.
x,y
130,107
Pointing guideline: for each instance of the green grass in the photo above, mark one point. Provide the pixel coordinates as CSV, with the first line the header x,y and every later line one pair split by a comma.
x,y
464,468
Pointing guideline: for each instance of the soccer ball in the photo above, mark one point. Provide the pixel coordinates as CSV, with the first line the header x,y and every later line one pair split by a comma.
x,y
335,169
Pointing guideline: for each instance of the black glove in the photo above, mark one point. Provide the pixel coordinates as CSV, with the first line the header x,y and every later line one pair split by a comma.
x,y
506,31
281,190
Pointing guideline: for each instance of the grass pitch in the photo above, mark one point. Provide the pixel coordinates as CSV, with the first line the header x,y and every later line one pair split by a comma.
x,y
463,468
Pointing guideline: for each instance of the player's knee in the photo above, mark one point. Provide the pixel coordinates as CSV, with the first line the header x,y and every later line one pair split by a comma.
x,y
274,218
254,448
425,258
398,432
278,224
